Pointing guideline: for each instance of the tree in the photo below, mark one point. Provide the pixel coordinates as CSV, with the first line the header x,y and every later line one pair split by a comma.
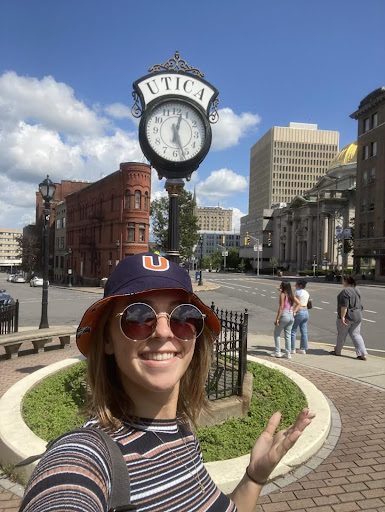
x,y
188,224
29,251
273,262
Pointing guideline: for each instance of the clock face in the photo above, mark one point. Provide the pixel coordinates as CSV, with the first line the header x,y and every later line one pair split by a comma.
x,y
175,131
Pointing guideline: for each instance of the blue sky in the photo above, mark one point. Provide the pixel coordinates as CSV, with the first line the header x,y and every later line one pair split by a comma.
x,y
66,73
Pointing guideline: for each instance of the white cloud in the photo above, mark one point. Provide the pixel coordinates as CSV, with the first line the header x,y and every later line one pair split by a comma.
x,y
118,111
221,184
230,128
237,214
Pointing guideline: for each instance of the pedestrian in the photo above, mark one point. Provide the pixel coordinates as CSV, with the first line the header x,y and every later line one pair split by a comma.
x,y
148,344
284,320
349,318
301,317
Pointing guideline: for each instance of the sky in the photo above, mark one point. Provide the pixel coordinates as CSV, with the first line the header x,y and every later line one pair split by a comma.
x,y
67,68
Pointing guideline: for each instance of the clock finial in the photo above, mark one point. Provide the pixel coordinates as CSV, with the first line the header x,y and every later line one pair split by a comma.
x,y
176,64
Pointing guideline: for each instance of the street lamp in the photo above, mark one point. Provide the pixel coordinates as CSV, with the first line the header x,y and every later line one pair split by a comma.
x,y
47,190
117,251
200,283
70,268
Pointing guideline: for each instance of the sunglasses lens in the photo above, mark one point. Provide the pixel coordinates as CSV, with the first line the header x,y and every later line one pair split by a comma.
x,y
186,322
138,321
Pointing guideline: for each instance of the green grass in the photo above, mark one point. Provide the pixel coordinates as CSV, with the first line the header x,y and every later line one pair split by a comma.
x,y
53,406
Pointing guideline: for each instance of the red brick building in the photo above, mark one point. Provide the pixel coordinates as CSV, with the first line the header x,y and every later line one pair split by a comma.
x,y
107,221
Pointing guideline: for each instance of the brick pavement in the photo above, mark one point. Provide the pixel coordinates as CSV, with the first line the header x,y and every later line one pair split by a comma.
x,y
351,479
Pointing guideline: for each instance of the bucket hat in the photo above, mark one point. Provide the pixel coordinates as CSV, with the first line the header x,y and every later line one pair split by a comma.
x,y
135,275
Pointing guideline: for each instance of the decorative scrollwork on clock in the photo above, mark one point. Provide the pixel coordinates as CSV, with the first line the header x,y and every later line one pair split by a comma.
x,y
176,64
214,116
136,109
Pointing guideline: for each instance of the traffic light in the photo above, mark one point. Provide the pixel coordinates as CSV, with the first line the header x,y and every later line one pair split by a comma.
x,y
269,240
247,239
223,239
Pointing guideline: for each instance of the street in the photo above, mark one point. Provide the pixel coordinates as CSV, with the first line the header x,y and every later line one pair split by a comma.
x,y
260,296
237,292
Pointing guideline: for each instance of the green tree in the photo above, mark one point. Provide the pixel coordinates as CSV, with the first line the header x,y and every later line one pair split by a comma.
x,y
274,263
28,251
233,260
188,224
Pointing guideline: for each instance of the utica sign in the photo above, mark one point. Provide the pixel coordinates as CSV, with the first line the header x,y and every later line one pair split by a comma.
x,y
152,87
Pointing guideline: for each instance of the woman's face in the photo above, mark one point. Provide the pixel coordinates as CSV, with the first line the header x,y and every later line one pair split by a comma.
x,y
154,365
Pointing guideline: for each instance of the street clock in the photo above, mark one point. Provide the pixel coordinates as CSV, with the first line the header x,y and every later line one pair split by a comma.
x,y
176,107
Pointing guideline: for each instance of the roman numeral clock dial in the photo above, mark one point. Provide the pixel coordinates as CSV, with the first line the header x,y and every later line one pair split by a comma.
x,y
175,135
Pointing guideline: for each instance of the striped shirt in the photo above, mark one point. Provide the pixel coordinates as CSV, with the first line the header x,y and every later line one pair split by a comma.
x,y
163,458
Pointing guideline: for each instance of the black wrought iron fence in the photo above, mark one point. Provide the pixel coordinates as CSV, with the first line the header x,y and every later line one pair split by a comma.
x,y
9,318
229,360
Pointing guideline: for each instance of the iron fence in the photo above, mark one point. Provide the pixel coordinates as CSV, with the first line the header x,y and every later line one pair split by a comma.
x,y
229,360
9,318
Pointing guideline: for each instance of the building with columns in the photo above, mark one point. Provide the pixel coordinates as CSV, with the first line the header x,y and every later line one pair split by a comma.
x,y
317,228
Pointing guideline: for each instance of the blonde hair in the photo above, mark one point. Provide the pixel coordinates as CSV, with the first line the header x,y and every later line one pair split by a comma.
x,y
110,404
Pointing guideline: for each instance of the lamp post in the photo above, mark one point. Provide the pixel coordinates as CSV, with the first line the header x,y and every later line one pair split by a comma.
x,y
47,191
200,283
117,251
70,267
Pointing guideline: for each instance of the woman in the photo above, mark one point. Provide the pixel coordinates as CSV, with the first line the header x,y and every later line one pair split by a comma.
x,y
301,317
284,319
148,344
349,318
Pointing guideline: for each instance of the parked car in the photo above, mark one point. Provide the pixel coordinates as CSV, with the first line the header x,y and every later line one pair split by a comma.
x,y
6,299
19,279
36,281
11,277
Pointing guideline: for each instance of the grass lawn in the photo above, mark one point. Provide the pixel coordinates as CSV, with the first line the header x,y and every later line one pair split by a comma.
x,y
53,407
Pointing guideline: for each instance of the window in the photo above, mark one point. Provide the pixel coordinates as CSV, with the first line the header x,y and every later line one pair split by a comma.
x,y
131,232
370,229
142,233
362,230
371,203
373,149
366,125
57,223
363,204
365,153
364,178
372,175
374,120
137,199
63,222
146,201
128,200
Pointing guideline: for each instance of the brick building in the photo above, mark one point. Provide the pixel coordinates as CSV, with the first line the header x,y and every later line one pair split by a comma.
x,y
369,239
108,221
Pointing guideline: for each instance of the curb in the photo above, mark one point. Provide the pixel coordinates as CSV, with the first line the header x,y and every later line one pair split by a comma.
x,y
18,442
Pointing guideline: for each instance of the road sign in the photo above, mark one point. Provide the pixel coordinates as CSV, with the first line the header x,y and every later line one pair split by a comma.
x,y
339,232
258,248
225,253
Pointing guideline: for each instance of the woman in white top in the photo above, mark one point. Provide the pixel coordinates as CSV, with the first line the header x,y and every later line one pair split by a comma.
x,y
301,317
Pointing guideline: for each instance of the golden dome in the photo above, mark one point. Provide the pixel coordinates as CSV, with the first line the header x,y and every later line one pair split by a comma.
x,y
347,155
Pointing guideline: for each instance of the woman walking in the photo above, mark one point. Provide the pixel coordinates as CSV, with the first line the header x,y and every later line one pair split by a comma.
x,y
301,317
148,344
284,320
349,318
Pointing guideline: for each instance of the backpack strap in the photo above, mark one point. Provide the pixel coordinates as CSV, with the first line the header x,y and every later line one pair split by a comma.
x,y
120,499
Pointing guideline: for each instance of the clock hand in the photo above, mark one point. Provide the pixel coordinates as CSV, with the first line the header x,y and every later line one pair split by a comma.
x,y
174,132
178,124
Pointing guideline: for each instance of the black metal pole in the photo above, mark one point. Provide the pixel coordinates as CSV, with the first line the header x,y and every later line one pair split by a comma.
x,y
44,300
174,187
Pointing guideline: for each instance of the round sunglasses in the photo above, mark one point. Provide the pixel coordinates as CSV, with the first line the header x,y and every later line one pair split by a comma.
x,y
138,321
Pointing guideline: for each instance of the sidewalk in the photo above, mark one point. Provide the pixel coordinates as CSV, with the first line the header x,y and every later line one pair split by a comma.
x,y
349,477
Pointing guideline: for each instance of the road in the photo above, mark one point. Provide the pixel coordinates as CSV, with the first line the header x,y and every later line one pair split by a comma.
x,y
260,296
237,292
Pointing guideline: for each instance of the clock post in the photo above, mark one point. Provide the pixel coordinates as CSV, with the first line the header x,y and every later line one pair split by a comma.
x,y
176,106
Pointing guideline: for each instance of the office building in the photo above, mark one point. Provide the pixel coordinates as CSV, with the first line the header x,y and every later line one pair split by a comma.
x,y
214,218
369,244
288,161
10,258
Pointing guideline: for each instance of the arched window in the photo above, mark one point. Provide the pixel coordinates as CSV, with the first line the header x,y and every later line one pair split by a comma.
x,y
146,201
128,200
137,199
